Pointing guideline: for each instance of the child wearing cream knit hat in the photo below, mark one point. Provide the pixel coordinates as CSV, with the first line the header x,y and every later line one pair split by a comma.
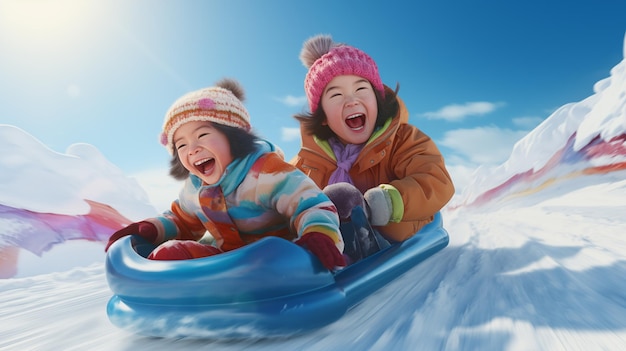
x,y
237,186
221,104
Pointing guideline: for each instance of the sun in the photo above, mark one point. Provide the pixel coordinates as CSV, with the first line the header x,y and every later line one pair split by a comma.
x,y
44,22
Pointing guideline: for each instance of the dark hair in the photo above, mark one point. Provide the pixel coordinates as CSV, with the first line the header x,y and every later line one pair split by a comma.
x,y
313,123
241,142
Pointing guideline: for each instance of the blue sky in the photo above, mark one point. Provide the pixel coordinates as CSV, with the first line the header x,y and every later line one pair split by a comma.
x,y
475,75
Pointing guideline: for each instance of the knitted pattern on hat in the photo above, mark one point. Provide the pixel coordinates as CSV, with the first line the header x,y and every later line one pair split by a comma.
x,y
222,104
327,60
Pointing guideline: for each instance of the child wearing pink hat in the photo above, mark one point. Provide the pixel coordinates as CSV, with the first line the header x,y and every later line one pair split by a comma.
x,y
237,186
357,144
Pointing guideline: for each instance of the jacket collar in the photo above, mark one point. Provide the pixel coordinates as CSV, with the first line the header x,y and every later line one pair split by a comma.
x,y
384,135
237,170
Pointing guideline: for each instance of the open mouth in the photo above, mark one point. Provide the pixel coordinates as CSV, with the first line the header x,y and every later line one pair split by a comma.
x,y
205,166
356,121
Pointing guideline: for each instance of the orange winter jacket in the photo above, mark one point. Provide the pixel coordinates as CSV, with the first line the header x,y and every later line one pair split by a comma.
x,y
398,154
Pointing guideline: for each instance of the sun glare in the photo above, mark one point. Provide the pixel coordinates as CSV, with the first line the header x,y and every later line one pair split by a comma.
x,y
44,22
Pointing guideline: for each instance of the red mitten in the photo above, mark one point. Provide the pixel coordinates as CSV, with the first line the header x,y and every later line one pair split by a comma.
x,y
323,248
182,250
143,229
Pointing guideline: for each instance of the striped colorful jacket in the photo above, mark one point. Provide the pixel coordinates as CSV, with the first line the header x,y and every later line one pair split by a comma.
x,y
263,195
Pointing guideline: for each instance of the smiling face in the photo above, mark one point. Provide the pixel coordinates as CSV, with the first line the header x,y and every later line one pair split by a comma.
x,y
349,103
203,150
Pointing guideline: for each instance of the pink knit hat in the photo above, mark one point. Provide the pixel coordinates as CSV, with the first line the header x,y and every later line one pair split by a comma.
x,y
326,60
222,104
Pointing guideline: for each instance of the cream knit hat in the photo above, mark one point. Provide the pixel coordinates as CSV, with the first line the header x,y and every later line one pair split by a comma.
x,y
222,104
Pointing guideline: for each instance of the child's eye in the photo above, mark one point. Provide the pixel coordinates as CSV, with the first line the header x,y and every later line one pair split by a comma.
x,y
180,146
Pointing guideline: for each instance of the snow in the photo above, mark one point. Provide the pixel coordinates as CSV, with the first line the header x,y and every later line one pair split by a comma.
x,y
39,179
563,134
536,260
545,277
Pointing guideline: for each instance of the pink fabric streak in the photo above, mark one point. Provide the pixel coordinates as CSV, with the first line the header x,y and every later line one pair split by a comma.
x,y
597,148
38,232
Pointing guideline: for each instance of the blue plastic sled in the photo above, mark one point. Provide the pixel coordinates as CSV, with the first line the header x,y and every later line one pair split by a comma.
x,y
269,288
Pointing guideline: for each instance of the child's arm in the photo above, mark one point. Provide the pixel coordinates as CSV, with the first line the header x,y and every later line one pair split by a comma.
x,y
312,216
180,224
423,185
173,224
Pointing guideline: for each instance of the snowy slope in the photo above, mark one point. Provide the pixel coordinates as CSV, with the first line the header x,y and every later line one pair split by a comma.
x,y
545,277
536,260
582,138
49,198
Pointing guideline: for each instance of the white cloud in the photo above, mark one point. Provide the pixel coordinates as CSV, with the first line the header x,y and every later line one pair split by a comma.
x,y
482,145
461,175
290,134
290,100
527,122
161,188
456,112
73,91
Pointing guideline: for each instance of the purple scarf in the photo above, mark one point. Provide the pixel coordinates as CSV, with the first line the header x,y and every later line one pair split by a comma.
x,y
346,155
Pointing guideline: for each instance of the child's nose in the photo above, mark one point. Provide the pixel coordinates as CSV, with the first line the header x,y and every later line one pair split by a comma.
x,y
193,148
351,100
